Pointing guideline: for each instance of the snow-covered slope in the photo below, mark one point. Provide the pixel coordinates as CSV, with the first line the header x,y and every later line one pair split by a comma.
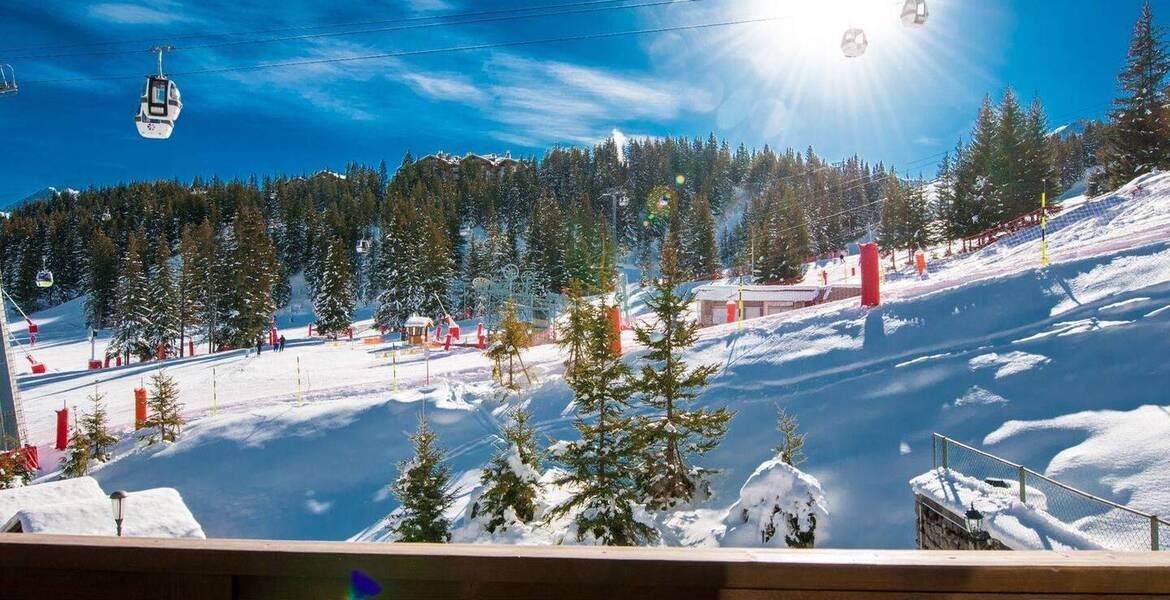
x,y
989,350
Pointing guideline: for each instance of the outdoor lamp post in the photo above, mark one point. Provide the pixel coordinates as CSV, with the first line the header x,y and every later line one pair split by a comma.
x,y
118,507
975,530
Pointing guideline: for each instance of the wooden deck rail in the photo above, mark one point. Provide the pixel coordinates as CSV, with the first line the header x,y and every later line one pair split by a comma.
x,y
36,566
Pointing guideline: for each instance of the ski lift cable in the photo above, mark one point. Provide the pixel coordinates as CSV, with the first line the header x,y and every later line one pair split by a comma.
x,y
18,309
432,51
547,12
305,27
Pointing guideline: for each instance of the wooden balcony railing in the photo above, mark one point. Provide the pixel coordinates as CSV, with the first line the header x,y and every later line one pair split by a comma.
x,y
42,567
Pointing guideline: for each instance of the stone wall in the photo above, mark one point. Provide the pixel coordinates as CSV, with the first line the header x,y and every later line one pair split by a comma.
x,y
938,528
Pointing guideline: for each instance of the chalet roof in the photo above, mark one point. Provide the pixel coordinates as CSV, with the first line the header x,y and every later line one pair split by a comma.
x,y
762,293
159,513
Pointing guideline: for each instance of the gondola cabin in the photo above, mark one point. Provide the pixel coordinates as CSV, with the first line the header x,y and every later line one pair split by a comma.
x,y
416,330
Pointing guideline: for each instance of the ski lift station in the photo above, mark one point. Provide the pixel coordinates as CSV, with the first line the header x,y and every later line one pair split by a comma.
x,y
719,304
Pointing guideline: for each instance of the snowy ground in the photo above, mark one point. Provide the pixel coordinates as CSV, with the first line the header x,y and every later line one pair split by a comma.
x,y
1055,369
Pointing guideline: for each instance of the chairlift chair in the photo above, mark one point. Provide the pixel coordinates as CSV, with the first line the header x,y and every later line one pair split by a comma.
x,y
854,42
7,80
914,13
363,246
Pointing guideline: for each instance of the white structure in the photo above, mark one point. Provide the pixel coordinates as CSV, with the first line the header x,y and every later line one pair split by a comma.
x,y
80,507
764,300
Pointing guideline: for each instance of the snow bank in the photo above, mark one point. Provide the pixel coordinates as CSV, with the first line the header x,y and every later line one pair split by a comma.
x,y
1123,455
777,507
80,489
158,513
1018,526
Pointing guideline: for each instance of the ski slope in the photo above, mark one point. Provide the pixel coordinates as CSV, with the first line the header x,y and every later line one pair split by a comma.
x,y
1050,368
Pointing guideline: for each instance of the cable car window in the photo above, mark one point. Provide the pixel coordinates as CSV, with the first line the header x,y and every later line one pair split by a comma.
x,y
157,99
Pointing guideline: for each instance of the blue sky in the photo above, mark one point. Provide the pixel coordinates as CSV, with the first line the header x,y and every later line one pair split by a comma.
x,y
781,83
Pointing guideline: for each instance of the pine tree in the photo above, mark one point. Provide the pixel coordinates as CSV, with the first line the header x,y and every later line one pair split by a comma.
x,y
164,406
333,301
781,237
421,487
162,327
191,286
513,337
672,433
251,270
1008,174
600,467
75,462
986,199
100,308
791,440
512,479
700,249
96,428
133,305
1140,138
393,273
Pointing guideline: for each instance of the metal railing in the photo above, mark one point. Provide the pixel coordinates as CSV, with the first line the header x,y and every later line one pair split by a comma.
x,y
1108,523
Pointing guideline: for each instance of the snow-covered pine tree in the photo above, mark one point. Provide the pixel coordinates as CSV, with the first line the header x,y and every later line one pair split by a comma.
x,y
781,237
100,309
249,300
437,266
600,467
392,272
421,487
986,200
162,328
75,461
701,251
673,432
512,479
133,306
1140,122
164,409
191,285
333,300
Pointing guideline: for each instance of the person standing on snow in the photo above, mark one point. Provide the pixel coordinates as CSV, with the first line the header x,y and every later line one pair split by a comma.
x,y
259,346
280,347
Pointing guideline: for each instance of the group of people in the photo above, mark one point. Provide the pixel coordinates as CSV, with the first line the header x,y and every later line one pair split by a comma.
x,y
277,346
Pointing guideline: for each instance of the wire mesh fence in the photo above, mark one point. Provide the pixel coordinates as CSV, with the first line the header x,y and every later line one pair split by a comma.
x,y
1107,523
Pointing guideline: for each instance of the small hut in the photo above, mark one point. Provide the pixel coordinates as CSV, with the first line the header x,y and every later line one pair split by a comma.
x,y
416,330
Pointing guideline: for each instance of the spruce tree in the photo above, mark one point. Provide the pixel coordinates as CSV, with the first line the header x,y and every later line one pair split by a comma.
x,y
162,328
164,409
701,251
333,301
252,271
75,462
96,428
600,467
100,307
191,286
512,337
673,432
392,273
133,307
1140,132
512,479
791,445
421,487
